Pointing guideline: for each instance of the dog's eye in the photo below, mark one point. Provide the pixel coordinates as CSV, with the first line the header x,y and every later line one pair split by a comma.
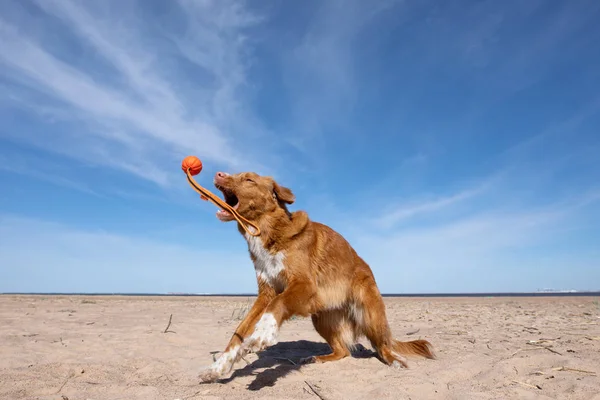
x,y
249,180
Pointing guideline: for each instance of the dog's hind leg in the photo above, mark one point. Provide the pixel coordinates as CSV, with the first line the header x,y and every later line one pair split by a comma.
x,y
370,316
336,329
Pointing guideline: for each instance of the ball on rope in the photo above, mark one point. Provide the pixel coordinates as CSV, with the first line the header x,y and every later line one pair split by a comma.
x,y
193,164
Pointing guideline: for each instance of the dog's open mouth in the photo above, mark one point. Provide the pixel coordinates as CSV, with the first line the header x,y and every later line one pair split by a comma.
x,y
231,200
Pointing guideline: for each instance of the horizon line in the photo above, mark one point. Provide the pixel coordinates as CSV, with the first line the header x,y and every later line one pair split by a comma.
x,y
540,293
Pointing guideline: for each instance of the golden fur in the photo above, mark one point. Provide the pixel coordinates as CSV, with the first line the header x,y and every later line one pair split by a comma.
x,y
305,268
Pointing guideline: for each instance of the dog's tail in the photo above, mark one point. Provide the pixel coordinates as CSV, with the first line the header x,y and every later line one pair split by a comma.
x,y
414,348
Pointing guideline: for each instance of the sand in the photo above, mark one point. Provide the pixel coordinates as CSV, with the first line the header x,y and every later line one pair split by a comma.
x,y
89,347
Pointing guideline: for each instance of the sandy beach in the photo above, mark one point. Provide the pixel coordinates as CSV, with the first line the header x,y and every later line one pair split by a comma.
x,y
105,347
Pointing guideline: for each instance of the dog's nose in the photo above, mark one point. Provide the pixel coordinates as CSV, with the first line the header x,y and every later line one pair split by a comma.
x,y
220,176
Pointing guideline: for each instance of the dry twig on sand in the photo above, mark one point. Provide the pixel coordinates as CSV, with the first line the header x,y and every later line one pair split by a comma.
x,y
457,333
541,341
563,368
520,350
285,359
528,385
552,351
71,375
316,391
413,332
168,325
214,355
191,396
540,345
536,348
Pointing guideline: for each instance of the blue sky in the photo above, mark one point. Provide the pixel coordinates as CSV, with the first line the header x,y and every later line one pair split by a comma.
x,y
454,144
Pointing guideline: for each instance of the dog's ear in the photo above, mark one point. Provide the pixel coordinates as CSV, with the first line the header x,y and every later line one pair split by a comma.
x,y
283,194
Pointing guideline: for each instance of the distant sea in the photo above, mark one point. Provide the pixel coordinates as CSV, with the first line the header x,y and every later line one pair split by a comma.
x,y
565,293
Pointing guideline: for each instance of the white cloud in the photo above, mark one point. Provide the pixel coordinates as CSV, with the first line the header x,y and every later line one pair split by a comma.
x,y
319,71
50,173
136,96
521,228
400,212
495,250
129,108
39,255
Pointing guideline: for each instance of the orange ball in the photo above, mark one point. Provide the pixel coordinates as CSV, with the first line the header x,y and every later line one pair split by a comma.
x,y
193,164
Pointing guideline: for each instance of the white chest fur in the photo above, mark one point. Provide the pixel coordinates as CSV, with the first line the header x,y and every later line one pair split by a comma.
x,y
267,265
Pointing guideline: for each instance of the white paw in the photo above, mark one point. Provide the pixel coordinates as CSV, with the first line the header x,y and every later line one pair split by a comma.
x,y
397,365
264,335
223,365
208,375
400,361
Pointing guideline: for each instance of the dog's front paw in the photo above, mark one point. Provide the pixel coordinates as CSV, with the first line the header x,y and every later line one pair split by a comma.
x,y
221,366
209,375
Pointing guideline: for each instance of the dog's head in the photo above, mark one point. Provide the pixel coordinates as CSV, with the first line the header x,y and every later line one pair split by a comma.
x,y
251,195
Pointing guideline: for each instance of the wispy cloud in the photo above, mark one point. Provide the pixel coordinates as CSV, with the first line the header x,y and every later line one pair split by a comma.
x,y
455,145
557,132
319,71
29,167
518,228
406,211
481,53
72,259
61,174
494,250
130,107
496,44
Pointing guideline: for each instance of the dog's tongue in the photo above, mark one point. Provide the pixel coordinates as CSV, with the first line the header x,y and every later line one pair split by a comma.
x,y
224,215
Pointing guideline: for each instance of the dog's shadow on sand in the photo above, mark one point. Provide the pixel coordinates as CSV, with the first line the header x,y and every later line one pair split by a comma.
x,y
283,358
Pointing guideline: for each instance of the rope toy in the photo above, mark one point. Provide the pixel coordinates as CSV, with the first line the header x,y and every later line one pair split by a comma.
x,y
192,165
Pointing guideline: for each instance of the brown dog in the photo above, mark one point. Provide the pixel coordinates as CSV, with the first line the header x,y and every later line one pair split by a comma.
x,y
303,268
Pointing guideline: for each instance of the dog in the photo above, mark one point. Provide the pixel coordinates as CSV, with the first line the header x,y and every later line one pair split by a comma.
x,y
303,268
